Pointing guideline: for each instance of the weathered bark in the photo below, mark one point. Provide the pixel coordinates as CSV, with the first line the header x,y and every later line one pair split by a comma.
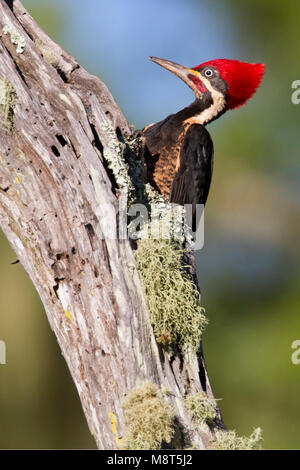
x,y
53,183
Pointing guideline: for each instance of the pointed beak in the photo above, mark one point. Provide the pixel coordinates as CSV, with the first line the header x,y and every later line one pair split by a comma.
x,y
180,70
185,73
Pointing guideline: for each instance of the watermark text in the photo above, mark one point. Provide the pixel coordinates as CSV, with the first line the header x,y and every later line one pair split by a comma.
x,y
2,352
295,358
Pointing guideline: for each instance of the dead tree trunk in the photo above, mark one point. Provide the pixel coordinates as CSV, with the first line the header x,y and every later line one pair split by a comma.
x,y
53,179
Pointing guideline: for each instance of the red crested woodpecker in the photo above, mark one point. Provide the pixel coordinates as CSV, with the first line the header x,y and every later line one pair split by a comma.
x,y
180,159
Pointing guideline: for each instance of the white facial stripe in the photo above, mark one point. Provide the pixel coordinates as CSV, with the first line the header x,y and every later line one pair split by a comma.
x,y
216,107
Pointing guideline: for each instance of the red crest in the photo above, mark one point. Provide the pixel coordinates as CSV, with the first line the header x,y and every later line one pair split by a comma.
x,y
242,79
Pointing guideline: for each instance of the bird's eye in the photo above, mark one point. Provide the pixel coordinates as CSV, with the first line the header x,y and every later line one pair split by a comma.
x,y
208,73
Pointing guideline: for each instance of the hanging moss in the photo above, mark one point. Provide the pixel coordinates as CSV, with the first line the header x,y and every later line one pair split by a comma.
x,y
201,408
148,418
173,299
230,441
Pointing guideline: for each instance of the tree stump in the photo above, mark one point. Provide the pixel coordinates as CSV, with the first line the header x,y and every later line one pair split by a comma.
x,y
57,209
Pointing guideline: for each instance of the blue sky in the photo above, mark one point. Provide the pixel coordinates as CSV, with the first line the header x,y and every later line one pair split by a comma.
x,y
114,39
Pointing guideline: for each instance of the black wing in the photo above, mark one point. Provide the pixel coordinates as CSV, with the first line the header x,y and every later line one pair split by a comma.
x,y
192,180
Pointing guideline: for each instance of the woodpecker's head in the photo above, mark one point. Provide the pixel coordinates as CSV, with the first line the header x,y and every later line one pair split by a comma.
x,y
225,84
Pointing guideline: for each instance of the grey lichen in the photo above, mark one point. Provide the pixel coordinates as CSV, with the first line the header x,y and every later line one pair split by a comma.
x,y
167,219
15,37
8,98
149,420
113,154
228,440
172,296
164,219
201,408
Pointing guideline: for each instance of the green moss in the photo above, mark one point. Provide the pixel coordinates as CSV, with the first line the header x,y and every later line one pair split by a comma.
x,y
149,420
201,408
48,56
173,299
230,441
8,98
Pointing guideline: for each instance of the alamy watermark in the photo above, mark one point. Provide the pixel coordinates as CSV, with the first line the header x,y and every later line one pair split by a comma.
x,y
2,352
295,358
295,97
161,220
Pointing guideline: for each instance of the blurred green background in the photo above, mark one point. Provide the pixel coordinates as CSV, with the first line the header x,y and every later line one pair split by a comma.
x,y
249,267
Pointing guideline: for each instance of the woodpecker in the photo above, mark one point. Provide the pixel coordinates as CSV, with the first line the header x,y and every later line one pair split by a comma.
x,y
179,161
